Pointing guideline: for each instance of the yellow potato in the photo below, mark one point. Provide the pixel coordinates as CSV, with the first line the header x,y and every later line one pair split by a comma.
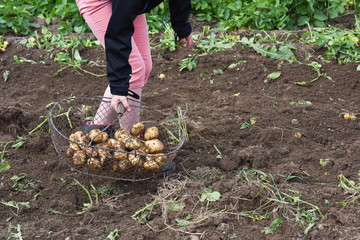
x,y
114,167
113,143
91,152
151,133
133,143
154,146
74,146
97,136
104,156
94,164
124,165
135,159
151,166
137,128
78,136
70,152
121,135
79,158
120,155
158,158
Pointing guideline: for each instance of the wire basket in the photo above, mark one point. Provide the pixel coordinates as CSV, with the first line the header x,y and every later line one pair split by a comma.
x,y
134,159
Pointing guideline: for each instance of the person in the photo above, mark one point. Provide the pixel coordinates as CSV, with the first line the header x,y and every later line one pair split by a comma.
x,y
121,28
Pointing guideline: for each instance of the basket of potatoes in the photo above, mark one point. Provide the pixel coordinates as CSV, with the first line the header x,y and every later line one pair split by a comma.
x,y
124,149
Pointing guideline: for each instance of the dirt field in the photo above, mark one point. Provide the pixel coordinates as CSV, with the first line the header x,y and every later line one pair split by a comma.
x,y
262,169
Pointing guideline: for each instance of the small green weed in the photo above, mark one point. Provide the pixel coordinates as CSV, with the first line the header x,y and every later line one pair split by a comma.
x,y
188,63
16,234
22,183
16,205
273,226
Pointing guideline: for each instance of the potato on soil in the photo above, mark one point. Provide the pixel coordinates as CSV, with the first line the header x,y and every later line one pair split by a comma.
x,y
154,146
133,143
347,116
151,166
137,128
97,136
151,133
94,164
124,165
79,158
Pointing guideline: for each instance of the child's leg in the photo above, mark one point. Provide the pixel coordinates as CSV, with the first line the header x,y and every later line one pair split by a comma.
x,y
97,15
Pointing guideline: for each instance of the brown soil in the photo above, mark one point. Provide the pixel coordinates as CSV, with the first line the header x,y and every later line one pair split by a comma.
x,y
215,107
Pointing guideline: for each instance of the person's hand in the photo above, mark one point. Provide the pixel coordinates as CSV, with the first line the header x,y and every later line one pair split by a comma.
x,y
186,42
116,100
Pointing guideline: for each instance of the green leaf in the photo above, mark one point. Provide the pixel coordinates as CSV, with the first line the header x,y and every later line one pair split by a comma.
x,y
301,83
245,125
274,75
319,15
358,68
324,162
6,75
303,20
176,207
344,204
273,226
4,167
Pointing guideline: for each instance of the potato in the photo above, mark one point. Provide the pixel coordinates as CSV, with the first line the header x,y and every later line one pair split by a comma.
x,y
158,158
114,166
135,159
78,136
73,137
121,135
74,146
91,152
97,136
113,143
94,164
137,128
347,116
151,166
103,144
104,156
154,146
133,143
70,152
79,158
151,133
120,155
141,171
124,165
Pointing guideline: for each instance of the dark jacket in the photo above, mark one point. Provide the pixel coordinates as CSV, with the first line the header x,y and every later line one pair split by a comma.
x,y
121,28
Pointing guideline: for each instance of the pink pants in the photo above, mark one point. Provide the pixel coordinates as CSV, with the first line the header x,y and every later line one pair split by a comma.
x,y
97,15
